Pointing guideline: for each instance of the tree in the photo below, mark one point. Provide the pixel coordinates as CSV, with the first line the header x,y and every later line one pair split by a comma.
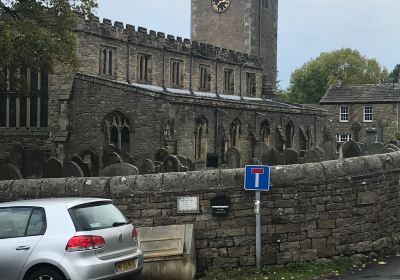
x,y
395,74
310,82
39,33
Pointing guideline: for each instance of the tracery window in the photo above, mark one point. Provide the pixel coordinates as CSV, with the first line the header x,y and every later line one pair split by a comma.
x,y
118,130
265,132
201,136
235,133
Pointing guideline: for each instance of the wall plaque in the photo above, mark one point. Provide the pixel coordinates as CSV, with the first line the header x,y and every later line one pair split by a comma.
x,y
188,204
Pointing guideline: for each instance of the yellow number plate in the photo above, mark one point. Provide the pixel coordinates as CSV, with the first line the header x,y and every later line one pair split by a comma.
x,y
126,265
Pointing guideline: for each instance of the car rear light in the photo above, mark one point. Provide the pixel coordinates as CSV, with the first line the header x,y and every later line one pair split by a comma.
x,y
134,234
85,243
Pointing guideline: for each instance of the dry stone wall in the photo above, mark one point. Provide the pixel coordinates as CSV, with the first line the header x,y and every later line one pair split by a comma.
x,y
318,210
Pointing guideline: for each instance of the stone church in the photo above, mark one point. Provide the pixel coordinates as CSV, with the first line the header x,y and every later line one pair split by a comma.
x,y
142,90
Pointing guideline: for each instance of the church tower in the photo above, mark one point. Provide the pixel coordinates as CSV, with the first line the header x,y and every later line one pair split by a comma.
x,y
249,26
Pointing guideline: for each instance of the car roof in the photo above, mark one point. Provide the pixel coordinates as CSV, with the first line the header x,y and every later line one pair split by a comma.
x,y
68,202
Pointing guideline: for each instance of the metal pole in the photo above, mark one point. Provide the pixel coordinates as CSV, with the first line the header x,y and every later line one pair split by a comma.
x,y
258,230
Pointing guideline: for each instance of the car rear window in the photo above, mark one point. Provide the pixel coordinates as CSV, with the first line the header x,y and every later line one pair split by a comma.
x,y
94,216
22,221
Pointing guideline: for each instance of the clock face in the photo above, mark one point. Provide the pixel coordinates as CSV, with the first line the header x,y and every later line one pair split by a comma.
x,y
220,6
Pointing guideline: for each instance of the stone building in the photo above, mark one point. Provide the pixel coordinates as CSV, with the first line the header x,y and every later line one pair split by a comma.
x,y
352,109
247,26
142,90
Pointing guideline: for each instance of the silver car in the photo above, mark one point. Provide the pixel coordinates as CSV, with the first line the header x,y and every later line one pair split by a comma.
x,y
69,238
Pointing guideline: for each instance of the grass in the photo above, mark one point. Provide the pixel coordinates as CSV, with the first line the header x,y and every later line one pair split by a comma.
x,y
301,271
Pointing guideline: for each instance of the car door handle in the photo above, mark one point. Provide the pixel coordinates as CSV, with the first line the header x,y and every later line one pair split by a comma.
x,y
23,248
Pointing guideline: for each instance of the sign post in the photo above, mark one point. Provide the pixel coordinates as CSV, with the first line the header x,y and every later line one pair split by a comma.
x,y
257,178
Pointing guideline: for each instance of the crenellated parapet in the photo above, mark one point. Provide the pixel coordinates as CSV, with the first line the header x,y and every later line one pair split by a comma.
x,y
143,36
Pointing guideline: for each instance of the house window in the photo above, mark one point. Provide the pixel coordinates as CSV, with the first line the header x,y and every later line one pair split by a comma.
x,y
176,72
118,130
205,77
144,68
341,138
251,84
344,114
229,82
107,61
367,113
24,110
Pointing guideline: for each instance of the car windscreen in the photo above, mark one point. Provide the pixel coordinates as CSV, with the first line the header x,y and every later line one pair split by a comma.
x,y
95,216
22,221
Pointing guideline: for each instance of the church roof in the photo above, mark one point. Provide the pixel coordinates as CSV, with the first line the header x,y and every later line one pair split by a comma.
x,y
367,93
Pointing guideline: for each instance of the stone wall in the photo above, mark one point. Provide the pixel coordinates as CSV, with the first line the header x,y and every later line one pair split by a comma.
x,y
322,210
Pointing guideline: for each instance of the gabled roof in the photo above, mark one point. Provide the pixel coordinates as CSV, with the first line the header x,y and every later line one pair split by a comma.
x,y
367,93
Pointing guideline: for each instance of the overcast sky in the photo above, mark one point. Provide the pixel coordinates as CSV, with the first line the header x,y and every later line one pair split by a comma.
x,y
306,27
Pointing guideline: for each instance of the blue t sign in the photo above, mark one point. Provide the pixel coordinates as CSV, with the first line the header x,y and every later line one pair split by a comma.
x,y
257,178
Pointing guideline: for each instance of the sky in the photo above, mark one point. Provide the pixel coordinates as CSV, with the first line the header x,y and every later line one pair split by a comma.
x,y
305,28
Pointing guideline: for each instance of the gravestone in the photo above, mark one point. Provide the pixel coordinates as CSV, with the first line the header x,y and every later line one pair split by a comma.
x,y
330,149
53,168
395,142
311,156
16,156
158,167
272,157
112,158
33,163
363,148
161,154
92,160
253,161
389,148
260,149
10,172
350,149
83,165
171,164
371,135
119,169
233,158
290,156
320,152
190,165
200,165
182,159
375,148
145,166
71,169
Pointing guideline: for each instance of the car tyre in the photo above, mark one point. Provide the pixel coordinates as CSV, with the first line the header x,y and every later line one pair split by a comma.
x,y
46,274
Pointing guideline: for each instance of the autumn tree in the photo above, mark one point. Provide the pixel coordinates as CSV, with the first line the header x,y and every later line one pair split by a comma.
x,y
310,82
39,33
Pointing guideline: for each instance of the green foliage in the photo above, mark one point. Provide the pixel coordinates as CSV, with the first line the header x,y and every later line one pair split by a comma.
x,y
395,74
39,33
310,82
302,271
393,131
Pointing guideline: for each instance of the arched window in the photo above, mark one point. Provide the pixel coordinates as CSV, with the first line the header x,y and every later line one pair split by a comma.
x,y
265,132
310,139
201,136
289,133
117,127
235,132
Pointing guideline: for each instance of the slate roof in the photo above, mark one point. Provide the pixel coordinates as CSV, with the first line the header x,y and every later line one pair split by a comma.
x,y
367,93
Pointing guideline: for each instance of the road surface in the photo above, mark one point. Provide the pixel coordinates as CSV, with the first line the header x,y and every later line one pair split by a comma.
x,y
375,271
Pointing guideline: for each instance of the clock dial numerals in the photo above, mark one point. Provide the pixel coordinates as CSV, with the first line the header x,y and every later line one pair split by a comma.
x,y
220,6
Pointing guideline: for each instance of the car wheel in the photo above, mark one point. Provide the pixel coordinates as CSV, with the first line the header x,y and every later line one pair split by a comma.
x,y
46,274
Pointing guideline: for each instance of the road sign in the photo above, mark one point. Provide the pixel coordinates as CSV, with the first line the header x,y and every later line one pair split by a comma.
x,y
257,178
